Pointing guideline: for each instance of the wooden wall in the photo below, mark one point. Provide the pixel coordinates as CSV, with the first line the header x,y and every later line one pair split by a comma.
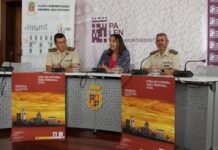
x,y
10,30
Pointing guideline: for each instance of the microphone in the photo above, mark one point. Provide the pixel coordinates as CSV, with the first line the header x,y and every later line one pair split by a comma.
x,y
11,53
186,73
9,68
203,60
59,69
140,71
63,58
143,61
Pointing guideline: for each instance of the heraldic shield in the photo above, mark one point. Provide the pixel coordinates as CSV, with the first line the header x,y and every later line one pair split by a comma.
x,y
94,99
31,7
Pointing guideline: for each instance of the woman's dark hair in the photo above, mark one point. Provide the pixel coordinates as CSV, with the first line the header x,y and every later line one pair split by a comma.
x,y
58,36
122,46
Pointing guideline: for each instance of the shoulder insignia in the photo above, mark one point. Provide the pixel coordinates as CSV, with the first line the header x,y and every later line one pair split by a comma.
x,y
52,49
71,49
152,53
173,51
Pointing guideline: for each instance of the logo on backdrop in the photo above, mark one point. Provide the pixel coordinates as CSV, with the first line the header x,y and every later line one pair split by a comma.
x,y
94,97
31,7
101,29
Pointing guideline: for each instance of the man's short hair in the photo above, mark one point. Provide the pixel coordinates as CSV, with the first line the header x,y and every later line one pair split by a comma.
x,y
162,34
58,35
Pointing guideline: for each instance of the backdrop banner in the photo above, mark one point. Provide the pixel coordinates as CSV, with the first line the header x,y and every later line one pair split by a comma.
x,y
213,32
138,21
41,20
148,113
38,106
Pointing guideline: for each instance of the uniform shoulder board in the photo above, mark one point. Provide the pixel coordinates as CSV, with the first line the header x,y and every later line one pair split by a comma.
x,y
71,49
52,49
173,51
152,53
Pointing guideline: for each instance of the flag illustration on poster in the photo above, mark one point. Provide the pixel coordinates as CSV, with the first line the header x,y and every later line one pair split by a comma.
x,y
148,113
38,106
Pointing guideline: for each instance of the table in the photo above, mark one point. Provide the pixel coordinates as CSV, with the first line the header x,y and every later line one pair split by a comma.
x,y
196,112
196,107
5,100
79,114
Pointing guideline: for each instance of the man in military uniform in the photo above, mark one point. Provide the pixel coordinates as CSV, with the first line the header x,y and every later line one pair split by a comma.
x,y
62,56
163,60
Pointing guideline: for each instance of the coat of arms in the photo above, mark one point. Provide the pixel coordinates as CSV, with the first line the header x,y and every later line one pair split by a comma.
x,y
31,7
94,97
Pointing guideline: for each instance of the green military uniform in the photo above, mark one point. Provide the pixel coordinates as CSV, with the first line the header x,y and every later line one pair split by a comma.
x,y
64,59
170,59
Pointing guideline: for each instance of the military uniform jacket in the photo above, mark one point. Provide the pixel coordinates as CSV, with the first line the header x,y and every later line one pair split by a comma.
x,y
170,59
65,59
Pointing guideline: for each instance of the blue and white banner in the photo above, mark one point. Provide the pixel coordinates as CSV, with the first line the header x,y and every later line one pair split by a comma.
x,y
41,20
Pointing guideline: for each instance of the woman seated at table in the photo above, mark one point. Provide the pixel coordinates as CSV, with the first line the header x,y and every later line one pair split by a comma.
x,y
117,56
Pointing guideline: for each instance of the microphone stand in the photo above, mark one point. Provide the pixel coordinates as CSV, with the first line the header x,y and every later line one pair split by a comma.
x,y
9,68
140,71
203,60
59,69
186,73
63,59
143,61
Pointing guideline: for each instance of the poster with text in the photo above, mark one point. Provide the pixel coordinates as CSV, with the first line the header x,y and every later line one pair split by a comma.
x,y
41,20
148,113
38,106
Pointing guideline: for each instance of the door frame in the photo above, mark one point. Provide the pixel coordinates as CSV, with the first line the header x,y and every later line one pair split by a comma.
x,y
3,18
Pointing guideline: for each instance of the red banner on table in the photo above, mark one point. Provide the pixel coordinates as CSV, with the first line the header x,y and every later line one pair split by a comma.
x,y
148,113
38,106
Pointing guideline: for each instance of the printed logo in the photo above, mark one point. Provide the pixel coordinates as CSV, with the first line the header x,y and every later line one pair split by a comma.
x,y
31,7
101,29
94,97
